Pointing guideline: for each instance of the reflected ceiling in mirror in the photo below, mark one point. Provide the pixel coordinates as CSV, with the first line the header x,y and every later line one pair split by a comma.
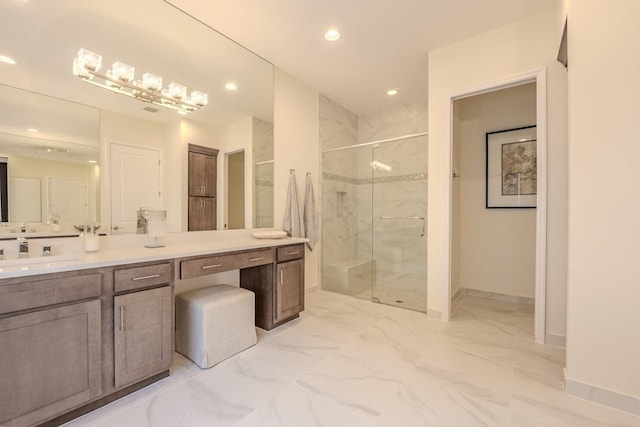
x,y
46,36
44,127
151,35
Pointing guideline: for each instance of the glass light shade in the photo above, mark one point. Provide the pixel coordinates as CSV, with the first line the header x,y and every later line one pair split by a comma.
x,y
199,98
89,60
151,82
80,71
122,72
176,91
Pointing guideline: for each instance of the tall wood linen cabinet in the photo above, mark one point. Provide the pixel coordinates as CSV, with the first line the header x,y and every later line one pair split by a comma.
x,y
203,166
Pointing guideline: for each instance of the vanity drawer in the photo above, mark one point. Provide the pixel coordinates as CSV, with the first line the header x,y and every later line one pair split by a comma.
x,y
51,291
128,279
218,263
288,253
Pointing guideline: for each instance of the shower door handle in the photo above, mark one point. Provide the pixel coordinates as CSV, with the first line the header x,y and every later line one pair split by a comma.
x,y
424,223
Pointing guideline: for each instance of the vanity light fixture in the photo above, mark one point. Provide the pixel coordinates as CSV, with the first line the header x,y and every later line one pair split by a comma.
x,y
120,79
231,86
332,34
32,130
392,92
93,162
7,60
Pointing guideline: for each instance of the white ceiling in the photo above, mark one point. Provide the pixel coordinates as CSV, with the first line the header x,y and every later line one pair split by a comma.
x,y
384,43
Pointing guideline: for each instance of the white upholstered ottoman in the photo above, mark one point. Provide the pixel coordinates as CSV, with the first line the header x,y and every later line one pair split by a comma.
x,y
213,324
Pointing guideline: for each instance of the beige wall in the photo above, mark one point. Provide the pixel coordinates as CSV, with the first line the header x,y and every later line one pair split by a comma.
x,y
295,147
603,341
496,246
517,48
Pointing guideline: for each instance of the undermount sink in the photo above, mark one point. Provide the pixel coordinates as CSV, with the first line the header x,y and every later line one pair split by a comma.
x,y
26,264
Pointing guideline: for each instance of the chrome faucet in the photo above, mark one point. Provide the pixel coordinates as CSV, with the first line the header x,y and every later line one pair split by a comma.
x,y
24,248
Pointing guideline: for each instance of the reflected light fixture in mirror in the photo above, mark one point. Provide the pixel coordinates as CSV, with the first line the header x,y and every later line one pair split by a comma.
x,y
120,79
7,60
44,69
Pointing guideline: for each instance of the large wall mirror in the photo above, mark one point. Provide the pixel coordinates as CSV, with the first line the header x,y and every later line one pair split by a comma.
x,y
62,139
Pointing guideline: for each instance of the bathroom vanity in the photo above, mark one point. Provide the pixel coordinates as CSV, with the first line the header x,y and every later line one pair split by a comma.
x,y
80,337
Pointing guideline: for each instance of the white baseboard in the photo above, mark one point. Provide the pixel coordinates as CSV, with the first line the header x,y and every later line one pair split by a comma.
x,y
312,289
457,294
610,398
434,314
495,296
556,340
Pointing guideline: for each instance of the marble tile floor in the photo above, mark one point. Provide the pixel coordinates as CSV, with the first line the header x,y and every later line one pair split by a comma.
x,y
349,362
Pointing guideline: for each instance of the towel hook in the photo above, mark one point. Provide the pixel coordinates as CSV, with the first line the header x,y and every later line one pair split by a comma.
x,y
292,171
308,173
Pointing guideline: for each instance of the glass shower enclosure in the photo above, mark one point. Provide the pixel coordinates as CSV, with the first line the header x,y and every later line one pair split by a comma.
x,y
374,207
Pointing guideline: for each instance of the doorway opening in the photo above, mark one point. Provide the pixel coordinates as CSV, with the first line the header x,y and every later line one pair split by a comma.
x,y
235,190
493,205
539,78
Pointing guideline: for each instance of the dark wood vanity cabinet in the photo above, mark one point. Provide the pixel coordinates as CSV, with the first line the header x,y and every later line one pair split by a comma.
x,y
289,283
50,346
278,287
72,342
143,322
203,166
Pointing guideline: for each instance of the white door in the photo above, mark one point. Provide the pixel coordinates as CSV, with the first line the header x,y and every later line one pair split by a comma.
x,y
135,184
67,200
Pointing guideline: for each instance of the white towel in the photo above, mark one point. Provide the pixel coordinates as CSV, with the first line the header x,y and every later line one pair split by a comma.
x,y
310,215
292,220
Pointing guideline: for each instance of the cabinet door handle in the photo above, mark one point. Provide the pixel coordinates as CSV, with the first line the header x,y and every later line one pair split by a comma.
x,y
293,253
256,259
202,189
153,276
122,318
205,267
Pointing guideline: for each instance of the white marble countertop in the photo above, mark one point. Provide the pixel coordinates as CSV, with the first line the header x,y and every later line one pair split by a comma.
x,y
121,250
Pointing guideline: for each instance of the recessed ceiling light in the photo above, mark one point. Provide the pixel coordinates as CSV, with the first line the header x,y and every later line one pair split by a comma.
x,y
32,130
231,86
332,35
392,92
7,60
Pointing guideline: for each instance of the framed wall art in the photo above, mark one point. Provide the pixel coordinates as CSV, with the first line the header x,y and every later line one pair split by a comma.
x,y
511,168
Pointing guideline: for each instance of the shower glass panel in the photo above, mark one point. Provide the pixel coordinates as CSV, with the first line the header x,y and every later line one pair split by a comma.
x,y
374,206
347,265
399,223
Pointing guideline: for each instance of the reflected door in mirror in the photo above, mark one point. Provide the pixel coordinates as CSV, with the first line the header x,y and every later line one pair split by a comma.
x,y
135,184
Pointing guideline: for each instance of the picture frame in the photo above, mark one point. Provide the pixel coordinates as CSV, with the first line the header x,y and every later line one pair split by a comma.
x,y
511,168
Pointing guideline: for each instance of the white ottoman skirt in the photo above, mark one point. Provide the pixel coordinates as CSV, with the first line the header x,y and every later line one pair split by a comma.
x,y
213,324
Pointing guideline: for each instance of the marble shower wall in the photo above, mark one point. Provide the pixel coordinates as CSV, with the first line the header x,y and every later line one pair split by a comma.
x,y
400,120
350,185
338,127
263,173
